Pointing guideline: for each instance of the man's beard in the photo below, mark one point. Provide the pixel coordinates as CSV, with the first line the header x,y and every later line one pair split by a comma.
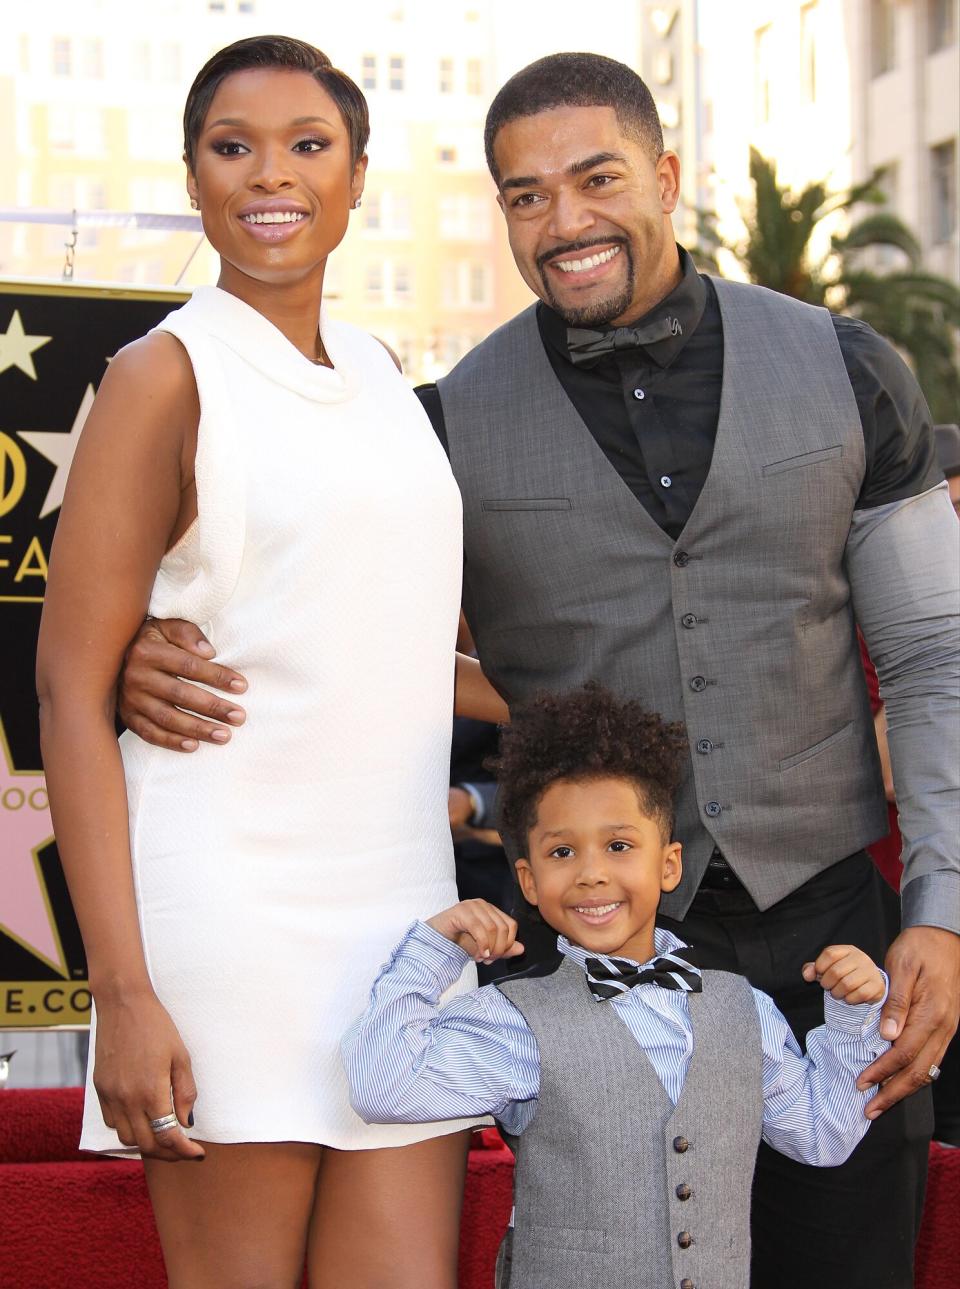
x,y
600,312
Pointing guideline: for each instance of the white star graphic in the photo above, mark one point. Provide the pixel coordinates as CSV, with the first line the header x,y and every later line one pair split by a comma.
x,y
59,448
16,347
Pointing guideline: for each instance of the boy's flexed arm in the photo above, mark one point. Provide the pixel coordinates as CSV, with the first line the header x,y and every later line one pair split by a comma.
x,y
813,1110
410,1060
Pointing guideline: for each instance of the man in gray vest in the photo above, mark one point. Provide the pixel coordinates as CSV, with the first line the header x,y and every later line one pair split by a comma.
x,y
691,490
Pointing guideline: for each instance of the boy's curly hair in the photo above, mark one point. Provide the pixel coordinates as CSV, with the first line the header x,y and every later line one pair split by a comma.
x,y
587,733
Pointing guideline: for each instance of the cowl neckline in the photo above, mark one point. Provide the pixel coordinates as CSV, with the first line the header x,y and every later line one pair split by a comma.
x,y
264,346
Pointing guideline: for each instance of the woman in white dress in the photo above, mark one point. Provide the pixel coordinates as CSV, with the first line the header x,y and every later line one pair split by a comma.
x,y
272,477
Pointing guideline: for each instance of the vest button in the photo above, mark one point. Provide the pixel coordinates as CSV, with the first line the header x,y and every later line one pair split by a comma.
x,y
683,1191
681,559
687,1283
698,684
713,808
684,1239
689,620
704,746
681,1145
639,395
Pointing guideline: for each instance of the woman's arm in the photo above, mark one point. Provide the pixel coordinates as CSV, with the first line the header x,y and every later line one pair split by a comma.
x,y
475,696
129,494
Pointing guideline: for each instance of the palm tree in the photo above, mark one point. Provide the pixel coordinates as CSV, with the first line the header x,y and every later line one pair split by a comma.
x,y
916,310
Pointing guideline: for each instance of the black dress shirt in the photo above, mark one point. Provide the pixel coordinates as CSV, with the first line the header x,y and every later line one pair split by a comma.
x,y
654,410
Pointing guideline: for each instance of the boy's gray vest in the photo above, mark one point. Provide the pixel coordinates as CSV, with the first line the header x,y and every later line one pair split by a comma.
x,y
743,628
614,1187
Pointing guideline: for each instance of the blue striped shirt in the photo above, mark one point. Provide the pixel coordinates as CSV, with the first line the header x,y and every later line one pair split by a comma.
x,y
414,1059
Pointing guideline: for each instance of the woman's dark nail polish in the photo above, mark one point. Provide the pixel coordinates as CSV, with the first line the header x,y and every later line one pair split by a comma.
x,y
190,1119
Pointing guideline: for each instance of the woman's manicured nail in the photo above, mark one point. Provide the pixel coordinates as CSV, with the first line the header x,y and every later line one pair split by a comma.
x,y
190,1119
220,736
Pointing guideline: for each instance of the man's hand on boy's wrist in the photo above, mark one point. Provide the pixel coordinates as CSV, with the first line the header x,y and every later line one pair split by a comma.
x,y
481,930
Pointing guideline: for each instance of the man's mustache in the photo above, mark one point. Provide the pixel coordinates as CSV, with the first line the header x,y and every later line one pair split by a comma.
x,y
572,248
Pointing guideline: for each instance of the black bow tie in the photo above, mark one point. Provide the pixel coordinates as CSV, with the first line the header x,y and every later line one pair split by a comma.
x,y
675,970
587,347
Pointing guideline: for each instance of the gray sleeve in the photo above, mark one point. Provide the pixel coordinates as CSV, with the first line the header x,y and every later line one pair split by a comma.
x,y
903,562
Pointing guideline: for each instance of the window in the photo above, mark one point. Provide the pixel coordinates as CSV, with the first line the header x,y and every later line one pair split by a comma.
x,y
465,218
169,57
479,284
368,72
465,284
246,6
474,76
941,24
761,74
447,156
445,83
24,53
396,72
373,283
882,36
402,284
943,190
62,56
371,212
91,61
808,52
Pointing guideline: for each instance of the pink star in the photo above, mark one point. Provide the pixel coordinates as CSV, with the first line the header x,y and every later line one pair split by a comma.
x,y
25,828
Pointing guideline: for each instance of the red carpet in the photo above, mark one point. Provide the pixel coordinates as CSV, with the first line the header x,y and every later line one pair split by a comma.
x,y
68,1221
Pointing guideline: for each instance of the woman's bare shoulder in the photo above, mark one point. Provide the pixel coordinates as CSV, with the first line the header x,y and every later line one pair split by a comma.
x,y
155,367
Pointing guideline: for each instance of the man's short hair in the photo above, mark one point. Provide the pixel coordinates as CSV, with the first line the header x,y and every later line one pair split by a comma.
x,y
576,80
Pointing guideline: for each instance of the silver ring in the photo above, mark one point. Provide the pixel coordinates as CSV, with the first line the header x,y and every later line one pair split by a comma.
x,y
164,1124
933,1073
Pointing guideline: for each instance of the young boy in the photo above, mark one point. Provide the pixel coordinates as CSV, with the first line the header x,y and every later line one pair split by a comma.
x,y
635,1088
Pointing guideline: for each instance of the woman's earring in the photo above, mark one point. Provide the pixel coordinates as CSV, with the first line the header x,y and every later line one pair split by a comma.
x,y
356,204
194,204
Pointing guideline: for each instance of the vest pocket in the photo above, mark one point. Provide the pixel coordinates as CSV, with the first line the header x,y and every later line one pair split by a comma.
x,y
798,757
526,503
804,459
565,1237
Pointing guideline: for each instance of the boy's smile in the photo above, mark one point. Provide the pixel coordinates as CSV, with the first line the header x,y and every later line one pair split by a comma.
x,y
596,865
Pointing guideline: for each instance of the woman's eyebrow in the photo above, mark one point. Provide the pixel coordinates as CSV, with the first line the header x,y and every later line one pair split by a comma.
x,y
298,121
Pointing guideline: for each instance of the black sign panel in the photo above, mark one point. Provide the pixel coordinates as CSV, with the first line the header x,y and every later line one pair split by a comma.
x,y
55,343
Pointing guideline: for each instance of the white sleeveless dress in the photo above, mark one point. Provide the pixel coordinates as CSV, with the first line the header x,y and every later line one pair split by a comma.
x,y
274,875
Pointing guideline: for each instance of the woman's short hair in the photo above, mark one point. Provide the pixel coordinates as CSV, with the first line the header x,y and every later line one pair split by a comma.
x,y
576,80
285,54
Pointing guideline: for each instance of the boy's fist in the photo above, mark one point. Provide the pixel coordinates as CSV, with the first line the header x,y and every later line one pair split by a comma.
x,y
479,929
848,974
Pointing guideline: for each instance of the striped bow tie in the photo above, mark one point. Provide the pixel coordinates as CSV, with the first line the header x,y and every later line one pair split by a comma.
x,y
587,347
675,970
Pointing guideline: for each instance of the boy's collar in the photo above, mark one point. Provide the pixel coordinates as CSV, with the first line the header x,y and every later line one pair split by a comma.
x,y
663,942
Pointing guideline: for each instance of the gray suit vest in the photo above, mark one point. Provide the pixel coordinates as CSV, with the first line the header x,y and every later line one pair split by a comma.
x,y
743,628
614,1186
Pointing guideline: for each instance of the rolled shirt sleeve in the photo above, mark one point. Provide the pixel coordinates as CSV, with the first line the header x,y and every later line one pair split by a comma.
x,y
812,1109
903,563
409,1059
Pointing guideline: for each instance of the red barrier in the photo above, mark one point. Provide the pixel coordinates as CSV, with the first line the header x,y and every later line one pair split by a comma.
x,y
71,1221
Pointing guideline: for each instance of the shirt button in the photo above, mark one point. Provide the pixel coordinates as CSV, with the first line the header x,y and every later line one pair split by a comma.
x,y
713,808
704,746
683,1191
687,1283
639,395
684,1239
681,559
698,684
666,481
681,1145
689,620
